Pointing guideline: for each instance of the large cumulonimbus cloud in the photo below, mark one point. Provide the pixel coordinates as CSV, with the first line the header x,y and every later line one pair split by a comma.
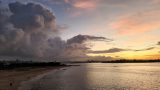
x,y
26,31
30,30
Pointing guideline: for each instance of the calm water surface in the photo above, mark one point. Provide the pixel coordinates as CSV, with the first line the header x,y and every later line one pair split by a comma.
x,y
99,76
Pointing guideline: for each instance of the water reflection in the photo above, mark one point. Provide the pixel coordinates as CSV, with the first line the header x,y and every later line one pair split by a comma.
x,y
136,76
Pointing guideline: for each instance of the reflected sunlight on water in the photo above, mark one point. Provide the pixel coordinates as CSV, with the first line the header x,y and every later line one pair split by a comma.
x,y
100,76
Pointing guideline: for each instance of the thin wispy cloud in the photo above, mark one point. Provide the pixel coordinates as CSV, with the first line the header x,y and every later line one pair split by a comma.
x,y
146,49
83,38
116,50
112,50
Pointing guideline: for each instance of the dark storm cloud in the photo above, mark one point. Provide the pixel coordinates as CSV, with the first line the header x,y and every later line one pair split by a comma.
x,y
31,16
112,50
46,2
26,31
51,1
76,46
83,38
158,43
31,31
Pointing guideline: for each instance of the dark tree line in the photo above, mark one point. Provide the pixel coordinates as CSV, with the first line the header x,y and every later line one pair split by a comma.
x,y
20,64
131,61
118,61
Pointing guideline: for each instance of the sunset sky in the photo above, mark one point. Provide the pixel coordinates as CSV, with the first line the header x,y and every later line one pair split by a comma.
x,y
133,26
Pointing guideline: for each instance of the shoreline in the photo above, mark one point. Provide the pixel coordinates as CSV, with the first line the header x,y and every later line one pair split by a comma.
x,y
11,79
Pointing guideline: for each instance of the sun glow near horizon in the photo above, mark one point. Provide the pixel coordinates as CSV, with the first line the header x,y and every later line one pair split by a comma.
x,y
131,55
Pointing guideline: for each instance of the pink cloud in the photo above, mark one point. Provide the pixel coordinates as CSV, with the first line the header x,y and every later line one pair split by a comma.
x,y
137,23
83,4
79,7
156,1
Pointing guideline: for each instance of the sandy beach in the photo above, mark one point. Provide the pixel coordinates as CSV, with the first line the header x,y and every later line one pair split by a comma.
x,y
11,79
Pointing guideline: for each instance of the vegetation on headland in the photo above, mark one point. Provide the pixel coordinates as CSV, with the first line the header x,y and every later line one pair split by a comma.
x,y
118,61
22,64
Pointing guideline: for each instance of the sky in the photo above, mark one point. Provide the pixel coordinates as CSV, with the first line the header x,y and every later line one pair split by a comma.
x,y
133,27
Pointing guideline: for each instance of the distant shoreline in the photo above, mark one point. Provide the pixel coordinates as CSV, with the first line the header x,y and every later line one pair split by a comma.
x,y
118,61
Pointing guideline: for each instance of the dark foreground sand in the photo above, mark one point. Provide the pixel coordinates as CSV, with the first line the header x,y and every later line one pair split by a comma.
x,y
11,79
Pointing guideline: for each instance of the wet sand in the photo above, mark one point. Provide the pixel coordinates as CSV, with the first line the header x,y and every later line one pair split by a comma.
x,y
11,79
